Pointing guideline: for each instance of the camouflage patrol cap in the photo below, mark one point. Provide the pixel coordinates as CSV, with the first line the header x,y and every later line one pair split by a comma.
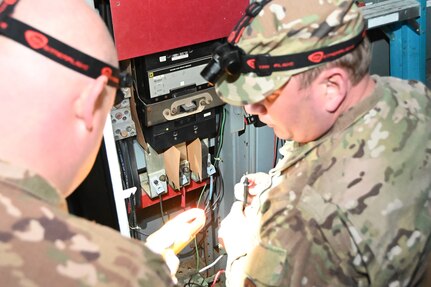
x,y
285,27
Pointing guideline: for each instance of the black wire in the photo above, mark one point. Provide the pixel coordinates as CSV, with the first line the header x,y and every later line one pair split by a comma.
x,y
137,229
194,284
220,191
161,208
132,216
124,178
130,178
135,85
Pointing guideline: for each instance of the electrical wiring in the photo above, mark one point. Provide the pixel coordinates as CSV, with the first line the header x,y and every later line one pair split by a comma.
x,y
213,198
220,193
212,264
135,87
197,253
211,192
206,268
138,230
216,277
188,284
220,135
200,196
193,284
210,195
130,178
199,245
216,195
207,199
161,208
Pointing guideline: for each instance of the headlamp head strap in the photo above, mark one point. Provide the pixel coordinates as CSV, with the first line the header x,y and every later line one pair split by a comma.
x,y
264,65
54,49
251,11
230,59
57,51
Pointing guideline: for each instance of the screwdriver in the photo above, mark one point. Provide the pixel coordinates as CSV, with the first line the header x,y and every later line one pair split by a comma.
x,y
245,183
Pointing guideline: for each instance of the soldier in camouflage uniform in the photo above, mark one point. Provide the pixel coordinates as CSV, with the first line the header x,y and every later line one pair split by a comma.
x,y
348,205
42,245
51,132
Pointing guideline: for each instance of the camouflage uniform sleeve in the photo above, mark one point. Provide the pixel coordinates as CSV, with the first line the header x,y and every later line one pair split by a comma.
x,y
298,246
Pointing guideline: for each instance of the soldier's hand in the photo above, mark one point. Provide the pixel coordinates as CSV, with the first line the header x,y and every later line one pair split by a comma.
x,y
175,234
257,183
238,231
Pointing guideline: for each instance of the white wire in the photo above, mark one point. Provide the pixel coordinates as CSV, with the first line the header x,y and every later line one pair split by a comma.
x,y
211,191
212,264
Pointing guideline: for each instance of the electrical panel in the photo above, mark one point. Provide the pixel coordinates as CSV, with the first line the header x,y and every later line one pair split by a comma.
x,y
170,112
175,107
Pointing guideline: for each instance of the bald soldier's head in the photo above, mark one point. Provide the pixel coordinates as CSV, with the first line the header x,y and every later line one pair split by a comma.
x,y
53,116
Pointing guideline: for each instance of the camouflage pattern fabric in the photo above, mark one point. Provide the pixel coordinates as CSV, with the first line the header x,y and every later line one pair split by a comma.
x,y
353,207
42,245
286,27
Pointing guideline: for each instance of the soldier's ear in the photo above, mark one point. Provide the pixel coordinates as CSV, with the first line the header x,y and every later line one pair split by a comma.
x,y
89,101
336,86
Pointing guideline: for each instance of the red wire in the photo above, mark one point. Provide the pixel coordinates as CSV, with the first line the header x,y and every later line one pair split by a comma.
x,y
216,277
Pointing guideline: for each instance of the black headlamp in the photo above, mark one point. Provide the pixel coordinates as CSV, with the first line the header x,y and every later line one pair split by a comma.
x,y
60,52
226,59
230,59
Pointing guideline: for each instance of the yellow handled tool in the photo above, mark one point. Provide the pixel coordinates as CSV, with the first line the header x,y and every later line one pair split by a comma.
x,y
178,231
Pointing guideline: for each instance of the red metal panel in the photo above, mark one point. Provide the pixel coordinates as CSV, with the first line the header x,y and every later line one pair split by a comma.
x,y
147,201
143,27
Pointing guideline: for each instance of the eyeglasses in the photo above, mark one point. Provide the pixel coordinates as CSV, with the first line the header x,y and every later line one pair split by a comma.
x,y
60,52
274,96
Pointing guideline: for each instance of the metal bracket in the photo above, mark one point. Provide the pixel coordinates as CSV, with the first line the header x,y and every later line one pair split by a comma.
x,y
404,21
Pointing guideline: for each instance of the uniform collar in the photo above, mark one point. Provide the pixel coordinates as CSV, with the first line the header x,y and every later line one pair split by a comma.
x,y
292,151
30,182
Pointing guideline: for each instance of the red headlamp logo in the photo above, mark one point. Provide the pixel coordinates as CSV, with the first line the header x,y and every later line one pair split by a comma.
x,y
316,57
35,39
252,63
106,71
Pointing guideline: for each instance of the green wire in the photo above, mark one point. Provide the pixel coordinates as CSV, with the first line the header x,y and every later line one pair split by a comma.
x,y
197,254
196,243
223,123
221,136
202,192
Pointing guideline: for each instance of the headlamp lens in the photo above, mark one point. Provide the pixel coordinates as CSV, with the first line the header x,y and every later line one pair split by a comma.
x,y
212,71
225,59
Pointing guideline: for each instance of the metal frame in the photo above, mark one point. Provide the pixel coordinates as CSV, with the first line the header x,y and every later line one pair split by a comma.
x,y
404,22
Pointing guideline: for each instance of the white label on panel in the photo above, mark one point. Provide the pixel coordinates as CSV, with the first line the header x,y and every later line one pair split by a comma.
x,y
383,20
